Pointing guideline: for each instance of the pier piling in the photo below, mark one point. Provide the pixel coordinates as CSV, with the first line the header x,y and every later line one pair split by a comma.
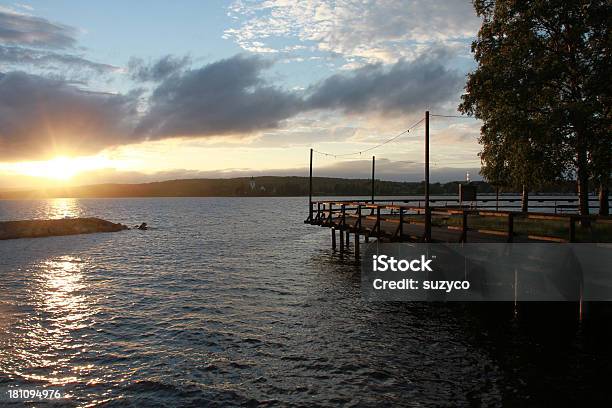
x,y
310,186
427,209
333,237
373,178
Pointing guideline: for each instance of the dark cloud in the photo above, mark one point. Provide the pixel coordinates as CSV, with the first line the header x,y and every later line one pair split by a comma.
x,y
22,29
225,97
40,117
401,88
158,70
230,97
49,59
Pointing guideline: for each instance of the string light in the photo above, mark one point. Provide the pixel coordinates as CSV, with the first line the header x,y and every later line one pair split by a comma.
x,y
359,152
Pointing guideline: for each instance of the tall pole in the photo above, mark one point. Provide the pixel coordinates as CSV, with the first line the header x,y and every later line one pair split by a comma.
x,y
373,165
427,210
496,198
310,189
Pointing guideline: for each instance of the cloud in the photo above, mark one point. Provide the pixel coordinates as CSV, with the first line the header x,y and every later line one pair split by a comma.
x,y
23,29
24,6
229,96
394,170
304,136
370,30
158,70
32,42
401,88
41,117
49,59
385,170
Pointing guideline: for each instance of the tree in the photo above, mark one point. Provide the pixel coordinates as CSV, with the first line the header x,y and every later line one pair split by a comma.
x,y
542,90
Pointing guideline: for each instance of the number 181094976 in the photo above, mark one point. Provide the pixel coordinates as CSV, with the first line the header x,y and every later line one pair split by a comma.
x,y
24,393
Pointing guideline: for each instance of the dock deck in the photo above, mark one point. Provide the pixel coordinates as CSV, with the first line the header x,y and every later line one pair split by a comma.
x,y
392,222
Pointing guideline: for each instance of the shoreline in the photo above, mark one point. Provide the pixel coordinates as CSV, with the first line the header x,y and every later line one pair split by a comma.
x,y
56,227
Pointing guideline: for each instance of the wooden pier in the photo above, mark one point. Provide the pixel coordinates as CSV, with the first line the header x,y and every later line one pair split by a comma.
x,y
432,219
397,221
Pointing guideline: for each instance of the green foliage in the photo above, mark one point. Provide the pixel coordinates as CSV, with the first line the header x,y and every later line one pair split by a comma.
x,y
542,89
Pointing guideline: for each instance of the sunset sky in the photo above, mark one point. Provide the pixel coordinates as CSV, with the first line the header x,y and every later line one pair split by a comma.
x,y
114,91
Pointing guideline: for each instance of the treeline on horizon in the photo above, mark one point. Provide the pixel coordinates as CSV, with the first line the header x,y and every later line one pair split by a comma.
x,y
268,186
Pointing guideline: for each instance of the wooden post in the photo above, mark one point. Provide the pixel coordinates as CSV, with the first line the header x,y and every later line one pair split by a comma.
x,y
510,227
604,204
496,198
464,226
341,241
333,233
401,224
373,165
572,229
357,245
427,210
378,223
348,234
310,187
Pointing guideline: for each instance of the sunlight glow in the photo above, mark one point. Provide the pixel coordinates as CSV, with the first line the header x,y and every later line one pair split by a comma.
x,y
62,168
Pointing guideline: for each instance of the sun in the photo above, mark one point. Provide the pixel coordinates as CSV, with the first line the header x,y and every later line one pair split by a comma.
x,y
61,168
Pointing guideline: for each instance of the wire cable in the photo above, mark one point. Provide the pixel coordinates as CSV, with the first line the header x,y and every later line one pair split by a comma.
x,y
454,116
359,152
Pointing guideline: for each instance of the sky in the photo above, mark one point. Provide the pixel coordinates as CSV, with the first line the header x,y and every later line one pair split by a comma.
x,y
97,92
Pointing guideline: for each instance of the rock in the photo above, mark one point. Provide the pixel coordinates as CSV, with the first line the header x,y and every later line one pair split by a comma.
x,y
143,226
46,228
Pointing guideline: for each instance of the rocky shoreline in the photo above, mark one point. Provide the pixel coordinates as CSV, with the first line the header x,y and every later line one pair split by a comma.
x,y
48,228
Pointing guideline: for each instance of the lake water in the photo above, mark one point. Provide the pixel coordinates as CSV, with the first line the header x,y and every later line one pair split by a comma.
x,y
233,301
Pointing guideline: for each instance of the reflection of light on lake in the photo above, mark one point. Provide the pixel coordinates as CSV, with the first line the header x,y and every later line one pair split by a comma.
x,y
53,339
63,208
63,283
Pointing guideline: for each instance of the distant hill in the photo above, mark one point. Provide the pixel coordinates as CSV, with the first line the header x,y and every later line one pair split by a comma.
x,y
258,187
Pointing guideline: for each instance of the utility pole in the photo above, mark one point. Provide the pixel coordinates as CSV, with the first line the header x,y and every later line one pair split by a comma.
x,y
310,189
496,198
373,165
427,210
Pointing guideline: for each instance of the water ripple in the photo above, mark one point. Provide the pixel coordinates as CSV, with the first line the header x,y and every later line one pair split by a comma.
x,y
250,311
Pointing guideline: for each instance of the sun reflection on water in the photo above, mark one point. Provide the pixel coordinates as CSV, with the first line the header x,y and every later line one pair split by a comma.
x,y
62,208
63,288
53,341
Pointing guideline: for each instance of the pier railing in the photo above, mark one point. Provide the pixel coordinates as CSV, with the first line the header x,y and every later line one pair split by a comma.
x,y
397,220
557,205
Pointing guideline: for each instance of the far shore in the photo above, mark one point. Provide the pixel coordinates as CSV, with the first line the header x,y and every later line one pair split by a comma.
x,y
273,186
